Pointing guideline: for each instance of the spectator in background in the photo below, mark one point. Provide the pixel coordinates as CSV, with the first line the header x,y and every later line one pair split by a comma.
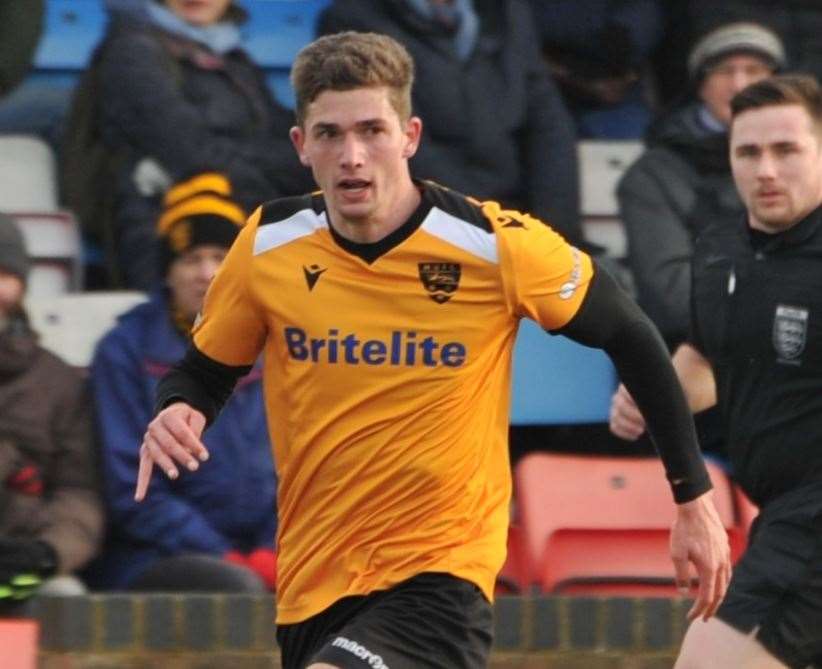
x,y
683,179
494,124
214,531
178,96
51,515
20,26
797,22
598,52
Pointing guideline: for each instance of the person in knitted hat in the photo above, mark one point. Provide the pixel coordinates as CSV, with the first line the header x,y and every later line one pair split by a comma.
x,y
46,452
222,535
729,58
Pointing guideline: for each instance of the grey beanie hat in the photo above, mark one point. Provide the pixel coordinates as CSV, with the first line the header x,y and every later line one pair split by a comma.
x,y
13,256
733,38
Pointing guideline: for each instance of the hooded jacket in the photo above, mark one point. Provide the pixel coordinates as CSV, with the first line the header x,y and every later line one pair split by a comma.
x,y
228,504
681,183
48,471
494,125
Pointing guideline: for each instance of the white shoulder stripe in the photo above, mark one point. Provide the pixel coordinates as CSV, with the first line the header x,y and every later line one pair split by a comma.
x,y
304,222
461,234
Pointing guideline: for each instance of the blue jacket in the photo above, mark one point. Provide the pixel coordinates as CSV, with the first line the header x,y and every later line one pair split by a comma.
x,y
229,503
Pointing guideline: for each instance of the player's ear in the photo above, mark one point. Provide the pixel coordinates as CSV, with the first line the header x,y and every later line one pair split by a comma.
x,y
297,135
413,132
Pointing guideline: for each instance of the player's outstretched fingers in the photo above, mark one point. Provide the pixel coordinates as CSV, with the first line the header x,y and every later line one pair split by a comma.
x,y
722,581
707,573
143,475
186,425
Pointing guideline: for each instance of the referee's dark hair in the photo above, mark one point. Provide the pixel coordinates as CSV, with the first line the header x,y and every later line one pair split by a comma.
x,y
785,89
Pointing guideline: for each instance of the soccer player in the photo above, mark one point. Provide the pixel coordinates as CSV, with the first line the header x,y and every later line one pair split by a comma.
x,y
386,309
757,352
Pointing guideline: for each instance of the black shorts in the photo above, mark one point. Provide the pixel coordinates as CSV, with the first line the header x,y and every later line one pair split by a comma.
x,y
432,620
777,585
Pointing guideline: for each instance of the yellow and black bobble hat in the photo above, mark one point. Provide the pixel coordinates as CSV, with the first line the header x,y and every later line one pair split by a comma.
x,y
198,211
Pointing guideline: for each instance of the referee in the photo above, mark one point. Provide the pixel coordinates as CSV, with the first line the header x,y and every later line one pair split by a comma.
x,y
756,350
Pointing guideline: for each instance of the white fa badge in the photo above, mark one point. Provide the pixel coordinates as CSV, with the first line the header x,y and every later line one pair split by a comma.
x,y
790,332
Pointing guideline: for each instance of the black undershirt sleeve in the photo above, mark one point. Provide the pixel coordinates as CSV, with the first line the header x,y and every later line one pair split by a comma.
x,y
199,381
609,319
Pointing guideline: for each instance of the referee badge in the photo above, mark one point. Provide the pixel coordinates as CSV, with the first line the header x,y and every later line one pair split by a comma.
x,y
441,279
790,329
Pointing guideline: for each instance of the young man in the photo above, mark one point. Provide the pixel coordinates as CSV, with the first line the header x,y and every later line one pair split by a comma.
x,y
757,351
387,309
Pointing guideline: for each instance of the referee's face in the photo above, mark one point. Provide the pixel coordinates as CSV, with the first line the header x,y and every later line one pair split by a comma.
x,y
776,160
358,149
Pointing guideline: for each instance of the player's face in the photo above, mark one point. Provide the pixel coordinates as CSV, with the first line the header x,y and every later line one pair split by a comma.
x,y
190,275
11,292
199,12
776,161
358,149
725,79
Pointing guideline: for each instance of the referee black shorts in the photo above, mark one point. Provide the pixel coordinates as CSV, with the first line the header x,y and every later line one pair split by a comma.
x,y
430,621
777,585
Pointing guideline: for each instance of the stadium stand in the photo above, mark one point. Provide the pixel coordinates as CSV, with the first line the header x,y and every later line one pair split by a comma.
x,y
275,32
601,164
627,497
28,193
71,325
557,381
614,562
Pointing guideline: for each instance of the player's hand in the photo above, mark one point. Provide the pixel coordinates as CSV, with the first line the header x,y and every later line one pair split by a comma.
x,y
625,421
698,537
172,437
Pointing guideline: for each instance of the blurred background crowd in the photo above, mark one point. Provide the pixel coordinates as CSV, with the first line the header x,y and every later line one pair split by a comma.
x,y
142,133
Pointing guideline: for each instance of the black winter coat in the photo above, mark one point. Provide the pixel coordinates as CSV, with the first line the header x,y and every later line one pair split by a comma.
x,y
681,183
170,100
494,126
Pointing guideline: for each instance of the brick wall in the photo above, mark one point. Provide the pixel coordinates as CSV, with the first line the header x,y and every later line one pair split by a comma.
x,y
218,631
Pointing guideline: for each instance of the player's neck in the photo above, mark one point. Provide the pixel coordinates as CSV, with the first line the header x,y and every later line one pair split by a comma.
x,y
383,222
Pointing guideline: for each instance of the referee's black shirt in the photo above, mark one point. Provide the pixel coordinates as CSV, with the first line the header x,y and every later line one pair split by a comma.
x,y
757,316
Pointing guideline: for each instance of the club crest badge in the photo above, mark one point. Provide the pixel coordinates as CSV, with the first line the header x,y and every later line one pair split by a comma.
x,y
441,279
790,331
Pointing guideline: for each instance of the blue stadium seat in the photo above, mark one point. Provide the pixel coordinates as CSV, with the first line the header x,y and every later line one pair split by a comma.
x,y
278,29
280,84
72,30
557,381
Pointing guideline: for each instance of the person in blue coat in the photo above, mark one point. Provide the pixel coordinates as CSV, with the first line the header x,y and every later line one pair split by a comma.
x,y
214,531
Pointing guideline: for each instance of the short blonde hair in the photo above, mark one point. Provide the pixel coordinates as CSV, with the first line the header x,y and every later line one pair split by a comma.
x,y
350,60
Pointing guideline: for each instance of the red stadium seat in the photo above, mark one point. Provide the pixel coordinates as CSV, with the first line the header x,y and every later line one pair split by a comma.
x,y
18,644
614,562
570,492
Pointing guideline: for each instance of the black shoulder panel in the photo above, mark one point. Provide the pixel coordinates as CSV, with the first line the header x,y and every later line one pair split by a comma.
x,y
456,204
283,208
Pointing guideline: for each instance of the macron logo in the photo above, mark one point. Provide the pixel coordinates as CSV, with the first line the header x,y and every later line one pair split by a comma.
x,y
360,651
